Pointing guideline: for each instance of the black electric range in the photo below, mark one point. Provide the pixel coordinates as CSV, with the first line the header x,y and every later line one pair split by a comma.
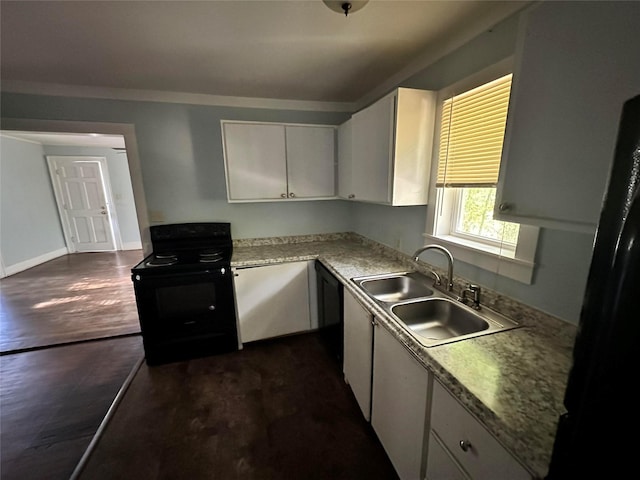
x,y
184,292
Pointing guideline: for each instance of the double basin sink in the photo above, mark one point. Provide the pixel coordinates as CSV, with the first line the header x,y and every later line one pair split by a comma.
x,y
430,316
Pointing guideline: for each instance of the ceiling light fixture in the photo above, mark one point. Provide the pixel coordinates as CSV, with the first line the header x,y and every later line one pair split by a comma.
x,y
342,6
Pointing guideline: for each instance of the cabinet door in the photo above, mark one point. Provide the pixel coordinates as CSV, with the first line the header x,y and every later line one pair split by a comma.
x,y
272,300
399,403
311,164
345,161
358,343
576,65
255,161
413,144
372,142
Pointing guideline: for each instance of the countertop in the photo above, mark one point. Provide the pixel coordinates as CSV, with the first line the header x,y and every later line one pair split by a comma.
x,y
512,381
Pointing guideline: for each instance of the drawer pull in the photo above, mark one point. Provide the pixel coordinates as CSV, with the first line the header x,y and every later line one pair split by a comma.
x,y
465,445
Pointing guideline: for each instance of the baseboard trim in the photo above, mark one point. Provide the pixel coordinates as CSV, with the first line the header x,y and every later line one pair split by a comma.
x,y
132,246
33,262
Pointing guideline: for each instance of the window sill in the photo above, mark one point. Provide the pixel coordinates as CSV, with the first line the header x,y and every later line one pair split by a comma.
x,y
487,257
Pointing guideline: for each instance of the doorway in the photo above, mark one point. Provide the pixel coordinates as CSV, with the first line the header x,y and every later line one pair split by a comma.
x,y
82,331
97,297
83,196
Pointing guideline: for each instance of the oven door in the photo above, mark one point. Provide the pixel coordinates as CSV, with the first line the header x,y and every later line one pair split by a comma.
x,y
188,310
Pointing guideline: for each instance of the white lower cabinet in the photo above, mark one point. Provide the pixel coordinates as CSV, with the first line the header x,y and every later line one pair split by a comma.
x,y
461,447
399,404
440,464
272,300
358,345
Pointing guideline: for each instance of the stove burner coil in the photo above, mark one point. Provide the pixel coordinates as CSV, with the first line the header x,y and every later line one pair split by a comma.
x,y
159,261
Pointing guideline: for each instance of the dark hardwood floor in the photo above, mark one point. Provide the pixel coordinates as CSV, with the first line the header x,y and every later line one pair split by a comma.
x,y
71,298
277,409
53,400
59,370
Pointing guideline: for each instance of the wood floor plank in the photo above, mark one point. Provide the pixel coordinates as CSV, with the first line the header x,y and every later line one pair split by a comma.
x,y
53,401
71,298
274,410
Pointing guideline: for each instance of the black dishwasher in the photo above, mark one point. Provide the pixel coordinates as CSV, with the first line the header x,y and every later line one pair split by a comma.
x,y
330,317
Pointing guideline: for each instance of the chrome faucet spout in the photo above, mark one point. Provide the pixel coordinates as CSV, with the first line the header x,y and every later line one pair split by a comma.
x,y
447,254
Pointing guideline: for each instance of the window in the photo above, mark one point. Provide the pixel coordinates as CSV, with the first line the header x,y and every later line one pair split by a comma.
x,y
460,216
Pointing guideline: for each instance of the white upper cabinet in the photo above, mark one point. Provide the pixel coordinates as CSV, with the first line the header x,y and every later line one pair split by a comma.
x,y
270,161
311,162
345,179
576,64
387,155
255,161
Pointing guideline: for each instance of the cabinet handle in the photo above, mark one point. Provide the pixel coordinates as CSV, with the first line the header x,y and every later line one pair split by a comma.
x,y
505,207
374,323
465,445
351,196
212,307
283,195
291,195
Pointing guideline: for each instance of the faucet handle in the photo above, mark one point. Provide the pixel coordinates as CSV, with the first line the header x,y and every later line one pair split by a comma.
x,y
475,290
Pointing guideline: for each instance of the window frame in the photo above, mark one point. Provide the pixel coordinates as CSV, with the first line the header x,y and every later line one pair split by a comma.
x,y
517,263
456,214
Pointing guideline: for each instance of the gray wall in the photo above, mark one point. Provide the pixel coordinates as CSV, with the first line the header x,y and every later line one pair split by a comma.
x,y
180,152
120,180
29,221
563,258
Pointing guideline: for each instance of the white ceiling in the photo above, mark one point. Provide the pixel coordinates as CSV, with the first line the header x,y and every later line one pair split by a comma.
x,y
296,49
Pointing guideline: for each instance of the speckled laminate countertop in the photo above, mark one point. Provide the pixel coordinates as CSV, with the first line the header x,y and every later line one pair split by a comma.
x,y
512,381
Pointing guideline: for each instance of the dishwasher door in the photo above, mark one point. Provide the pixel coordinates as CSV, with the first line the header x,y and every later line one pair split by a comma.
x,y
330,311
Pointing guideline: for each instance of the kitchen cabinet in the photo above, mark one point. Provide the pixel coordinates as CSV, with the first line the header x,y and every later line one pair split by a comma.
x,y
385,149
400,394
460,444
345,161
358,348
440,464
272,300
575,67
271,161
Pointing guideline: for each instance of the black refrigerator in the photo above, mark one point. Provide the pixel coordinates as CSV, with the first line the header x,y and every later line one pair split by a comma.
x,y
598,435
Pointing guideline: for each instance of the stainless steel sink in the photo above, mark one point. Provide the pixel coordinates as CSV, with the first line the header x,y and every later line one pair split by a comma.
x,y
396,287
439,319
432,317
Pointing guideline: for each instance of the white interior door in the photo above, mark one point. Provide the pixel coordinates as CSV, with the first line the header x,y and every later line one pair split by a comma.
x,y
81,193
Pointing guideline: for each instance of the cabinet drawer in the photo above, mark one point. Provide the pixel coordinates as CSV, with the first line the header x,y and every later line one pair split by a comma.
x,y
440,465
485,458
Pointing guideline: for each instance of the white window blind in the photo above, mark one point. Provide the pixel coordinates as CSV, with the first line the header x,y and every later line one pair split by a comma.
x,y
471,136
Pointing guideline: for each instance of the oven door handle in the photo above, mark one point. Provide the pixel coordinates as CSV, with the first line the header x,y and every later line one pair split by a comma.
x,y
136,277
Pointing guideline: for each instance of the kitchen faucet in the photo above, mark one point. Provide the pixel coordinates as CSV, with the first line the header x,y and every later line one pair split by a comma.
x,y
447,254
